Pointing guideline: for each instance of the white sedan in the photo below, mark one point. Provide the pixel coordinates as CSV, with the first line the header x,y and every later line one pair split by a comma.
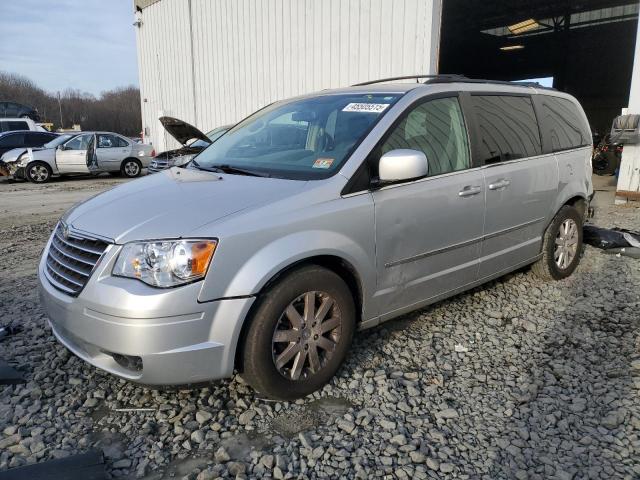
x,y
86,152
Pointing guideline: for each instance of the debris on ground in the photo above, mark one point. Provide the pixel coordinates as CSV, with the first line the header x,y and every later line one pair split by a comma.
x,y
607,238
9,375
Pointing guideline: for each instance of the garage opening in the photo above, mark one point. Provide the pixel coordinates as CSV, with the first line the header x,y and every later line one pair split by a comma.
x,y
583,47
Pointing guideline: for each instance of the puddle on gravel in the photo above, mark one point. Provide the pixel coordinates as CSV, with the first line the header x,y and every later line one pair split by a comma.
x,y
179,468
291,422
239,446
111,443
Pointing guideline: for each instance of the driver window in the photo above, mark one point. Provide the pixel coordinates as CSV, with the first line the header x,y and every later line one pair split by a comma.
x,y
437,129
78,143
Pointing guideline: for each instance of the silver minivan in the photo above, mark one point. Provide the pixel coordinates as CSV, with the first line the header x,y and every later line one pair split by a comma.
x,y
313,218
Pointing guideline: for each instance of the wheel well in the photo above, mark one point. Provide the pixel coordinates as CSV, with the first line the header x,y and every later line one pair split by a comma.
x,y
579,203
130,158
41,162
338,265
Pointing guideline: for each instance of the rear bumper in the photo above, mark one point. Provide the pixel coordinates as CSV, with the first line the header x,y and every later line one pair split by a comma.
x,y
151,336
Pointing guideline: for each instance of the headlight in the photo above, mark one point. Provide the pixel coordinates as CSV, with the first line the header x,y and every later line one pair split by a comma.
x,y
165,263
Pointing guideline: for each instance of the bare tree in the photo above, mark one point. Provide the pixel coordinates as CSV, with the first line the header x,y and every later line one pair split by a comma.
x,y
116,110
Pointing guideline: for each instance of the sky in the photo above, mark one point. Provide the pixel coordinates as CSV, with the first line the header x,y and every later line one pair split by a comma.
x,y
544,81
88,45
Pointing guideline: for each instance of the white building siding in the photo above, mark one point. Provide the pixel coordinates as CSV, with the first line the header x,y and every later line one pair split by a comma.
x,y
213,62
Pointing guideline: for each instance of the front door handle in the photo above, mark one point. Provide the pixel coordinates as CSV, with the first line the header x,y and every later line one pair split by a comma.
x,y
469,191
502,183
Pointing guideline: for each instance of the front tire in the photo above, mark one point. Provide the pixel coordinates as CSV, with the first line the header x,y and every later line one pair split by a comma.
x,y
131,168
299,335
38,172
561,245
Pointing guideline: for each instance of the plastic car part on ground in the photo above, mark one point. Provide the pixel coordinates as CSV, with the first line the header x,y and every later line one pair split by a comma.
x,y
614,240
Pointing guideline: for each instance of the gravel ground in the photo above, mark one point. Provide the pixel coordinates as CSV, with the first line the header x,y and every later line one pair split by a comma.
x,y
516,379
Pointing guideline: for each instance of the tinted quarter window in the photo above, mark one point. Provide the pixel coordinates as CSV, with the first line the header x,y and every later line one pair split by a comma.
x,y
564,123
437,129
507,128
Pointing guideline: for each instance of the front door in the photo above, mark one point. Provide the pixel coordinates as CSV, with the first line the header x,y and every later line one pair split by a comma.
x,y
520,182
429,231
71,156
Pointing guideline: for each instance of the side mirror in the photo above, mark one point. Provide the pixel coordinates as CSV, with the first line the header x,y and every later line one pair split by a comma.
x,y
402,164
60,147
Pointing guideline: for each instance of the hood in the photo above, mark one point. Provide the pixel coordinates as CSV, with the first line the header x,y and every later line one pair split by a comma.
x,y
182,131
12,155
174,203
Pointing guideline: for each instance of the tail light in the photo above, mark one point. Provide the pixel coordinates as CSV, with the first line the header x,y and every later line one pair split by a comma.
x,y
153,153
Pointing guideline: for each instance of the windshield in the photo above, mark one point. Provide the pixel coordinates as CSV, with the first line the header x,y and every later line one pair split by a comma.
x,y
57,141
303,139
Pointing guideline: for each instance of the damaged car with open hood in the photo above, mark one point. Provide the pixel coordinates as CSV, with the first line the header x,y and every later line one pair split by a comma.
x,y
193,141
315,217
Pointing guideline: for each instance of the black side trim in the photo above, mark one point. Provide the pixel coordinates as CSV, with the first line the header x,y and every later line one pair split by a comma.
x,y
448,248
237,297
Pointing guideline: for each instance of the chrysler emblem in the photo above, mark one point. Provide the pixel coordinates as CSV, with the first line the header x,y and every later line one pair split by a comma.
x,y
65,231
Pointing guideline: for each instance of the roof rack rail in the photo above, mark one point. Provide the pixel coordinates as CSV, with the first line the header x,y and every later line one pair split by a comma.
x,y
463,79
448,77
451,78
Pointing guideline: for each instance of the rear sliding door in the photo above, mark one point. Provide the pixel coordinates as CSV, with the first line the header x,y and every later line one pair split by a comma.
x,y
520,182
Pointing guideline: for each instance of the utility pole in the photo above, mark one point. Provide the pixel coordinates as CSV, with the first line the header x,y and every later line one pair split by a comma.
x,y
60,108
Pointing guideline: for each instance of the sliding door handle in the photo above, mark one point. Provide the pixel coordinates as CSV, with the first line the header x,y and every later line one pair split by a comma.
x,y
469,191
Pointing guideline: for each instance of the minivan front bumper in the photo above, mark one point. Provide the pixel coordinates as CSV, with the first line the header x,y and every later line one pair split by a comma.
x,y
150,336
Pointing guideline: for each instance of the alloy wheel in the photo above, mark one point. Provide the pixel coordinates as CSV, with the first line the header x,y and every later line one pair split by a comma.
x,y
306,335
566,247
39,173
131,169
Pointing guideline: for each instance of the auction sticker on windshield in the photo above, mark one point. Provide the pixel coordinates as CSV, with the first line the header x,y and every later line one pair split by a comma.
x,y
365,107
323,163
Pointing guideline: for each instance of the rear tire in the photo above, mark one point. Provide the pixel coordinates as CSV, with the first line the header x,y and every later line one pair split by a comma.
x,y
131,168
561,245
299,334
38,172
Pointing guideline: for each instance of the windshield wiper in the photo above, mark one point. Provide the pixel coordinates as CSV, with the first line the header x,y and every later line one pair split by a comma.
x,y
229,169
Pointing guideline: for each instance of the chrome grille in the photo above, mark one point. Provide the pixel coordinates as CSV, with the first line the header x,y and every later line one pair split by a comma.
x,y
71,259
157,165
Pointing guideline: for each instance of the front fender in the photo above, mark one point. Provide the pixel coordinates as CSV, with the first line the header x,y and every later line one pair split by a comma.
x,y
283,252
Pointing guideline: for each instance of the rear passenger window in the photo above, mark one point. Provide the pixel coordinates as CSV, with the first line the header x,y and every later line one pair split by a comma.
x,y
507,126
564,123
437,129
